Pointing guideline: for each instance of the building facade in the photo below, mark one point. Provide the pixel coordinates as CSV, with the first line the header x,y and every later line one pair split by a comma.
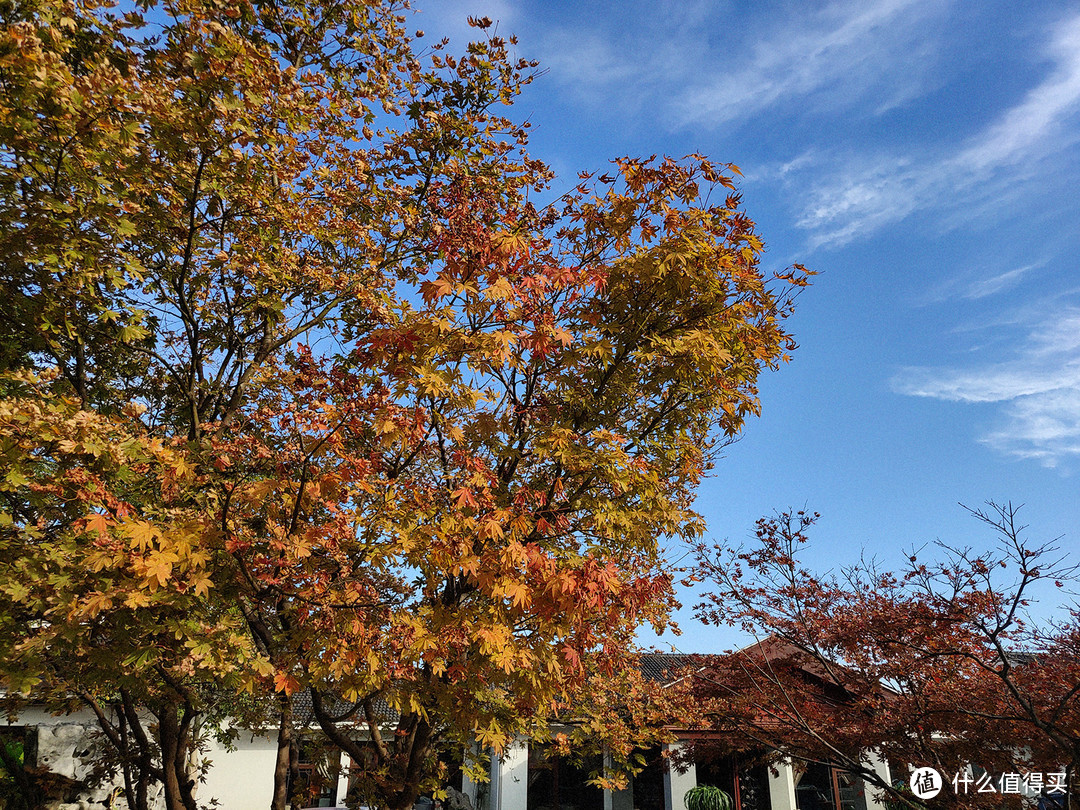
x,y
524,778
520,781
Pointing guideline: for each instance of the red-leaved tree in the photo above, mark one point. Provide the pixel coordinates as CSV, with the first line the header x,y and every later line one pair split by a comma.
x,y
949,663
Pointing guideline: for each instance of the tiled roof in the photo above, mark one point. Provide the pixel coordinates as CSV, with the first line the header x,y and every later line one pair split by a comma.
x,y
305,713
664,667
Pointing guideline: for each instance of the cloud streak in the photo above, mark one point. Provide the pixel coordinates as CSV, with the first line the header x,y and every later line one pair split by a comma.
x,y
1037,117
1039,389
822,64
842,52
1002,281
872,193
700,65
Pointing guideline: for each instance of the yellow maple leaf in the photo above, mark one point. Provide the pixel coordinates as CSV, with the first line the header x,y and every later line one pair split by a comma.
x,y
141,534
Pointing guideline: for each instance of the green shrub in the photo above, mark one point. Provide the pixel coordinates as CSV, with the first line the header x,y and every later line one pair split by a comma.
x,y
707,797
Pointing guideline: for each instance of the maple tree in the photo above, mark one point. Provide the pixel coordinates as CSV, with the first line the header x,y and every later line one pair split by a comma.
x,y
305,391
943,664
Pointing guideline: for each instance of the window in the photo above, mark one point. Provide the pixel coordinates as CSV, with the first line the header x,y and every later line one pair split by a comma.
x,y
745,776
317,775
821,787
558,783
647,786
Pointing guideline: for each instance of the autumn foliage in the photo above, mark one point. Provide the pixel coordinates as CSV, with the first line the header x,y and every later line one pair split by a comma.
x,y
950,663
312,385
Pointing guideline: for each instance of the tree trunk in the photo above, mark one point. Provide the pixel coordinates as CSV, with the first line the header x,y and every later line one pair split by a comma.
x,y
173,739
282,766
400,760
167,728
417,746
137,755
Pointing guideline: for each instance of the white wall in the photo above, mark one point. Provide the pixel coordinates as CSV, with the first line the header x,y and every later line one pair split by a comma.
x,y
242,779
510,787
62,743
881,768
676,784
782,786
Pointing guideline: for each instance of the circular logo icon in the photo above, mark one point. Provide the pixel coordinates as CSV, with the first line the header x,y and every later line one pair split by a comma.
x,y
926,783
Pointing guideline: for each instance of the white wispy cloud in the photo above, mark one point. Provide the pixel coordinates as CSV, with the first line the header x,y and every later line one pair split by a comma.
x,y
981,276
698,65
1038,389
983,287
1002,383
866,194
591,60
1045,427
840,52
1039,116
622,66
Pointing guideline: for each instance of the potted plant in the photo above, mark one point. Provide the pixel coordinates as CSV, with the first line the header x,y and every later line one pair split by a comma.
x,y
707,797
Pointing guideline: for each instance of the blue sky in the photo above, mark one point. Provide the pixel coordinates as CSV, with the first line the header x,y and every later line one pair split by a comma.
x,y
923,157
